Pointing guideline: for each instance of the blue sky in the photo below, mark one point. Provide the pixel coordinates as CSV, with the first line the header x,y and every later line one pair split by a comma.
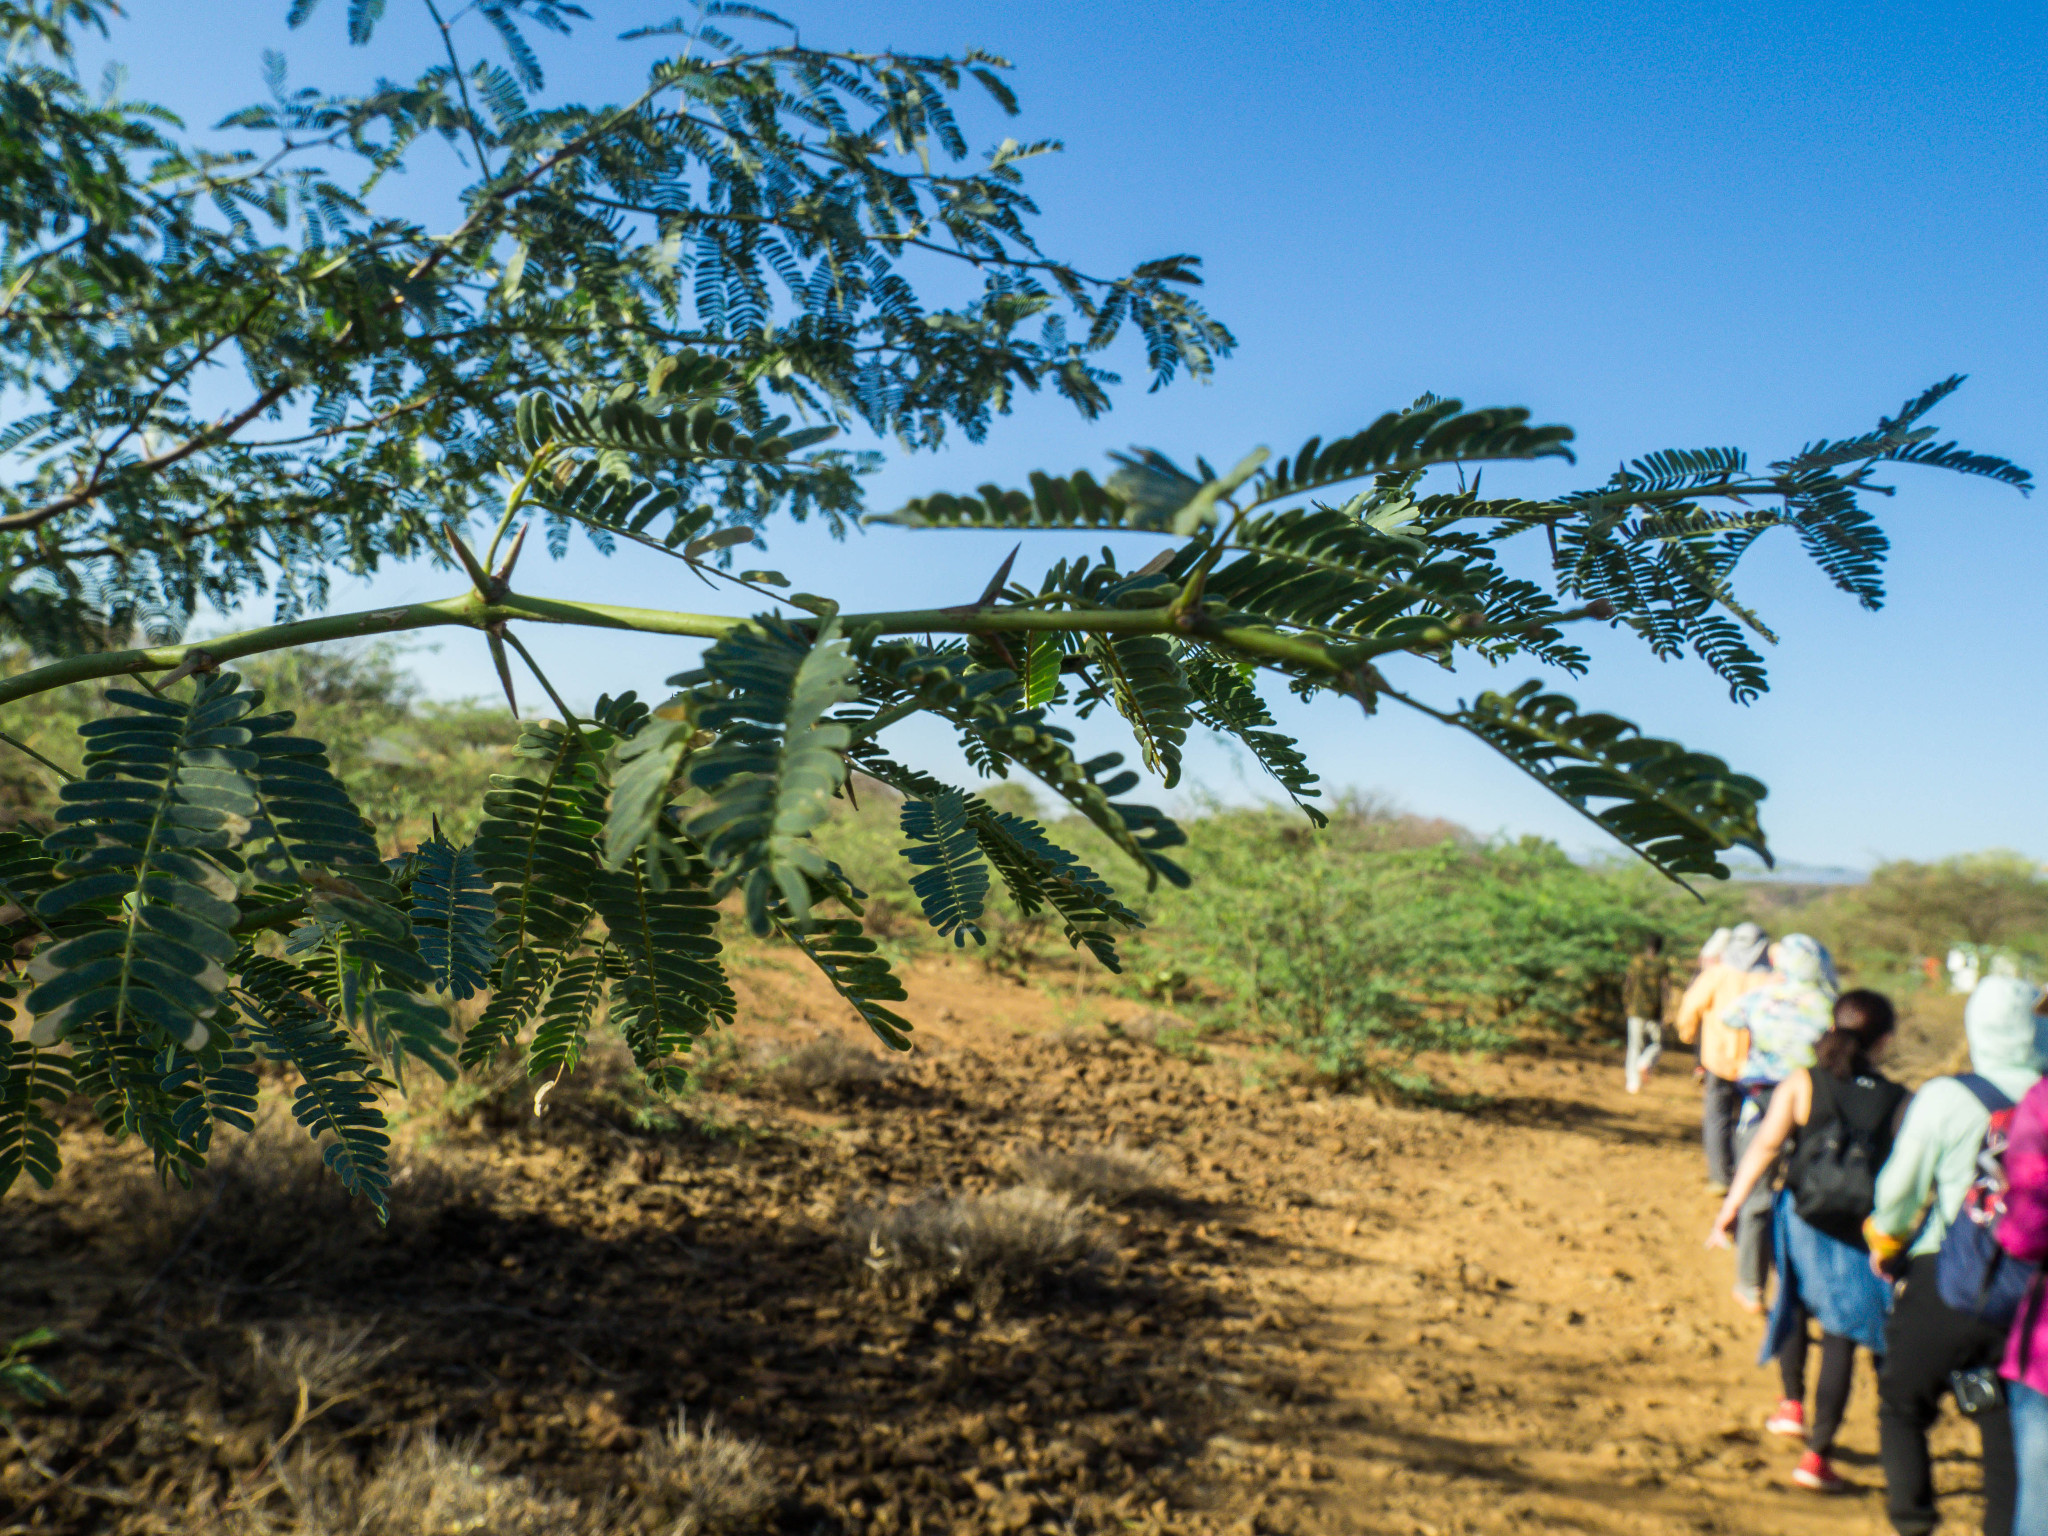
x,y
1668,225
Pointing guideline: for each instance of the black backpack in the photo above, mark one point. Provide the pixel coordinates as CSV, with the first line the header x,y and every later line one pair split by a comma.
x,y
1833,1176
1974,1273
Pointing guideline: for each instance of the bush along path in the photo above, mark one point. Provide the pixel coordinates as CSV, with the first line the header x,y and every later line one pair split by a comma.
x,y
1046,1276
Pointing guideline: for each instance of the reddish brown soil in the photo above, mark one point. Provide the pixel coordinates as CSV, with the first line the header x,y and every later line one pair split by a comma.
x,y
1345,1317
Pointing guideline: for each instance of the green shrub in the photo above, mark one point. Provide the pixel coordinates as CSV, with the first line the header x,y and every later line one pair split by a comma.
x,y
1384,936
402,757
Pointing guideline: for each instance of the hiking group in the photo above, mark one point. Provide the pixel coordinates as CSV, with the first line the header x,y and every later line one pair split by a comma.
x,y
1911,1224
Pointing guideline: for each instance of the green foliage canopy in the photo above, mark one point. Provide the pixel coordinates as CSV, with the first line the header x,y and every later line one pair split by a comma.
x,y
1996,900
250,370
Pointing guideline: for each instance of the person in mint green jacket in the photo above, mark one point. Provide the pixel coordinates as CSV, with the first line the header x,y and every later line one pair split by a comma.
x,y
1921,1187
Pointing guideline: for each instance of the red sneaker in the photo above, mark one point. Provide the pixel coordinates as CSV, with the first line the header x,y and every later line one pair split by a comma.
x,y
1814,1472
1789,1420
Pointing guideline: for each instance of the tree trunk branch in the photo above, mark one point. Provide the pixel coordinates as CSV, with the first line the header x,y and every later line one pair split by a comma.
x,y
94,488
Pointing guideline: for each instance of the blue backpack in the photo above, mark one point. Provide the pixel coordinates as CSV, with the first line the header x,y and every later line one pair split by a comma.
x,y
1974,1274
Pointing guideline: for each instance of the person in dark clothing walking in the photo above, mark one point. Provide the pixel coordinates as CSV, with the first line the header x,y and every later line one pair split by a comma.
x,y
1927,1342
1643,992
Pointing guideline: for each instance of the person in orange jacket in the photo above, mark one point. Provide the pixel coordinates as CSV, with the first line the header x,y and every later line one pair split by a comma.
x,y
1740,966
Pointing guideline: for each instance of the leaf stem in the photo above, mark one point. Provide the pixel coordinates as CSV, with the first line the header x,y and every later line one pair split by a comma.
x,y
517,500
271,915
21,746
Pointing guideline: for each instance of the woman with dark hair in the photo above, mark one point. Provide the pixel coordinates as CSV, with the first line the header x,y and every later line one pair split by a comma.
x,y
1843,1113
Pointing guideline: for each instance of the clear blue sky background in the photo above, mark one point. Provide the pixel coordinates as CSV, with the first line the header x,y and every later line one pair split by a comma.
x,y
1667,224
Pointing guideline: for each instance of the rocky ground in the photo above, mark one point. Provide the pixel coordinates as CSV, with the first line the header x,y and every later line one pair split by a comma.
x,y
1223,1300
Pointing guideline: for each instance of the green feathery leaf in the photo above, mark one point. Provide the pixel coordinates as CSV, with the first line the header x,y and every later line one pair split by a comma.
x,y
952,881
770,777
974,700
32,1081
1680,810
168,789
539,844
307,819
644,769
1039,873
849,960
1441,432
668,984
565,1021
1229,702
1077,501
336,1099
452,914
709,430
513,1002
1149,691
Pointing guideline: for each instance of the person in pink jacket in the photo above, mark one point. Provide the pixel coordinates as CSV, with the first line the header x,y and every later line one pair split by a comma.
x,y
2024,1234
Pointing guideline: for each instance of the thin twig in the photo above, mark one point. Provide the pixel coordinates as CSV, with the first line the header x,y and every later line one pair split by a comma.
x,y
21,746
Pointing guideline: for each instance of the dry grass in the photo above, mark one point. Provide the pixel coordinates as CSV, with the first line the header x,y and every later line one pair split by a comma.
x,y
701,1482
427,1488
423,1488
688,1482
830,1066
1106,1175
290,1372
991,1246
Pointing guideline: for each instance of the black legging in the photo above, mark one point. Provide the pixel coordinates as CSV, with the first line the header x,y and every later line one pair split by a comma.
x,y
1837,1376
1928,1339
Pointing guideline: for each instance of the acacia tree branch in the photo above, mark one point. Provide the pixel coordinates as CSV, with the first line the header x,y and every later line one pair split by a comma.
x,y
483,163
171,381
342,429
1340,662
34,265
220,431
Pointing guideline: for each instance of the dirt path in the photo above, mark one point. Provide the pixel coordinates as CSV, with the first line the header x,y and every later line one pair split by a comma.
x,y
1518,1328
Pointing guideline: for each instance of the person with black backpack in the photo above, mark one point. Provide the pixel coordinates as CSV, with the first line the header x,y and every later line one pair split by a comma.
x,y
1843,1114
1919,1229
